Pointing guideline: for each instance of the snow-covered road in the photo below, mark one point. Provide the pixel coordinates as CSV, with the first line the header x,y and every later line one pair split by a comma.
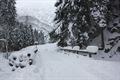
x,y
53,65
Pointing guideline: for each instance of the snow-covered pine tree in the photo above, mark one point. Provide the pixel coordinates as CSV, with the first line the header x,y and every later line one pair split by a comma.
x,y
68,16
21,37
115,10
7,18
31,35
11,12
41,38
62,19
36,36
114,27
8,12
53,36
80,19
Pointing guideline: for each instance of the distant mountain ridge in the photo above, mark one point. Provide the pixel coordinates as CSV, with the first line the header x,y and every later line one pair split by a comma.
x,y
40,13
36,23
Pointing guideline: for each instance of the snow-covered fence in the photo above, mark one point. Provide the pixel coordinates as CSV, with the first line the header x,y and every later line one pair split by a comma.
x,y
90,50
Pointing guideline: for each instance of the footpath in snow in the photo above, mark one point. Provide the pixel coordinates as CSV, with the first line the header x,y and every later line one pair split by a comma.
x,y
51,64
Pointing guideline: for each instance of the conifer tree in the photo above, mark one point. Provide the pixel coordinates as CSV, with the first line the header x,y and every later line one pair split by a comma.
x,y
41,37
80,19
62,19
8,12
7,18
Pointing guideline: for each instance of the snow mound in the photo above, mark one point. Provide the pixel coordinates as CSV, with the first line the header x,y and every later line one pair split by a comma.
x,y
92,49
22,58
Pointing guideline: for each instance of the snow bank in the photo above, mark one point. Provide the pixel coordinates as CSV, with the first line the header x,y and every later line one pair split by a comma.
x,y
92,49
22,58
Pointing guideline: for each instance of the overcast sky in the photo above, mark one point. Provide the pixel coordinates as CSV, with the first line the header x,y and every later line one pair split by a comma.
x,y
36,1
41,9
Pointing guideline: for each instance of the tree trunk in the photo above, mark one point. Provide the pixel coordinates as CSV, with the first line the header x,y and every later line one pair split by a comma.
x,y
102,39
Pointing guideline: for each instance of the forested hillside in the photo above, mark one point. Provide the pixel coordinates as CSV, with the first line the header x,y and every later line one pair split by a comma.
x,y
15,35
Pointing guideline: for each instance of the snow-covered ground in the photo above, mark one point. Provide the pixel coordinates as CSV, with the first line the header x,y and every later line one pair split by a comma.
x,y
52,64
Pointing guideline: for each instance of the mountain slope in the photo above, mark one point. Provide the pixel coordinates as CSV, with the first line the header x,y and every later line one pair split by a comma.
x,y
39,9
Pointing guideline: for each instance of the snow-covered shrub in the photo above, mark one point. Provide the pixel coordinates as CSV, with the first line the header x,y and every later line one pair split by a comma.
x,y
22,59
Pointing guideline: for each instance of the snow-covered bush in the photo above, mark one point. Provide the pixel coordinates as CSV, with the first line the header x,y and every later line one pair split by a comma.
x,y
93,49
22,59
